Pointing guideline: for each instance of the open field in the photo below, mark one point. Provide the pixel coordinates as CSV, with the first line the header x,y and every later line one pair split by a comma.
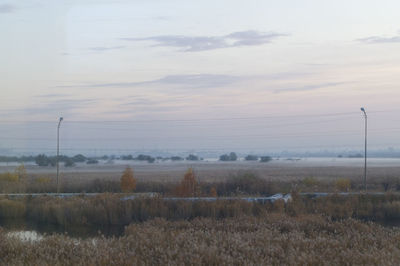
x,y
277,170
305,175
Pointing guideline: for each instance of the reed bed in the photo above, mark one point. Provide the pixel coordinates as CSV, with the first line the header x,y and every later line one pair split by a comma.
x,y
108,209
277,239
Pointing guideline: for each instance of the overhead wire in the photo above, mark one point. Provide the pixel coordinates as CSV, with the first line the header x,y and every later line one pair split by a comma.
x,y
226,137
197,119
183,120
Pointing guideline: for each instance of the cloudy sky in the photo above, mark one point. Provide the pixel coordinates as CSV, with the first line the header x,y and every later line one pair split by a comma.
x,y
201,75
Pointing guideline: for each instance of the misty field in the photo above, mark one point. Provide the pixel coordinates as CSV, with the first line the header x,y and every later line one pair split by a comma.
x,y
282,176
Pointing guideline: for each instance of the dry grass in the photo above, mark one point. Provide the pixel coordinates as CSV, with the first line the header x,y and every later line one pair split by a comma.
x,y
304,232
164,177
274,240
109,209
331,230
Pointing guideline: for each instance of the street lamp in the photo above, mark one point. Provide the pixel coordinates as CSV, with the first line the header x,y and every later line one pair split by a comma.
x,y
58,152
365,148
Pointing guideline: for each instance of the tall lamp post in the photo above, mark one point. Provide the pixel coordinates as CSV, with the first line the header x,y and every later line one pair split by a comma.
x,y
58,152
365,148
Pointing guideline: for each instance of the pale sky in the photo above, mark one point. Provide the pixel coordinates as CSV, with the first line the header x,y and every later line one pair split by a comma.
x,y
200,75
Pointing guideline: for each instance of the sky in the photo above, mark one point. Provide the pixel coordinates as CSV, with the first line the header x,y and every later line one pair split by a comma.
x,y
251,76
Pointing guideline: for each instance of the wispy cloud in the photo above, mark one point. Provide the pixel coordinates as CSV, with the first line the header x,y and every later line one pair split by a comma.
x,y
308,87
199,80
53,95
52,107
188,81
64,106
192,81
205,43
163,18
7,8
381,39
103,49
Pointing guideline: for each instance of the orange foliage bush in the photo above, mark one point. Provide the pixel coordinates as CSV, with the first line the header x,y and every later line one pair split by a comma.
x,y
188,186
213,192
128,182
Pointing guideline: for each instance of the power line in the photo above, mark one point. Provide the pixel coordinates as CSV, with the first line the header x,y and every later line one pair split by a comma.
x,y
197,119
268,126
190,150
269,136
184,120
209,138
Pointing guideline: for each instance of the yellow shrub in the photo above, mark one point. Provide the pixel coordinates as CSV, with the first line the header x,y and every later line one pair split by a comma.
x,y
20,171
343,184
9,177
18,175
43,180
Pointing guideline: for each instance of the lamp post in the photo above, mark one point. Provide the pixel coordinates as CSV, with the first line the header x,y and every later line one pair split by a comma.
x,y
58,152
365,148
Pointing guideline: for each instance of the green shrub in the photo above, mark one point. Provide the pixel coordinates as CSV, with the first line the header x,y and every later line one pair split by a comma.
x,y
192,157
228,157
266,159
251,158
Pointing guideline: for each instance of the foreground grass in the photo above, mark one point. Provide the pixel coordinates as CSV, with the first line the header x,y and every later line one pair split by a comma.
x,y
274,239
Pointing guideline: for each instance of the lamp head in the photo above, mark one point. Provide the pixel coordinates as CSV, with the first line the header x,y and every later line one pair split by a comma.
x,y
61,119
362,109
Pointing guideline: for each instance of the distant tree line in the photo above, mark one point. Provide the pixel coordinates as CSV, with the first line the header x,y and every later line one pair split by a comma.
x,y
45,160
233,157
150,159
228,157
9,159
140,157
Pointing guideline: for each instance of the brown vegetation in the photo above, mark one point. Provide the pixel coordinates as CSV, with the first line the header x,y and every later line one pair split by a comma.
x,y
128,182
273,240
327,230
260,180
213,192
304,231
19,175
188,186
343,184
108,209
